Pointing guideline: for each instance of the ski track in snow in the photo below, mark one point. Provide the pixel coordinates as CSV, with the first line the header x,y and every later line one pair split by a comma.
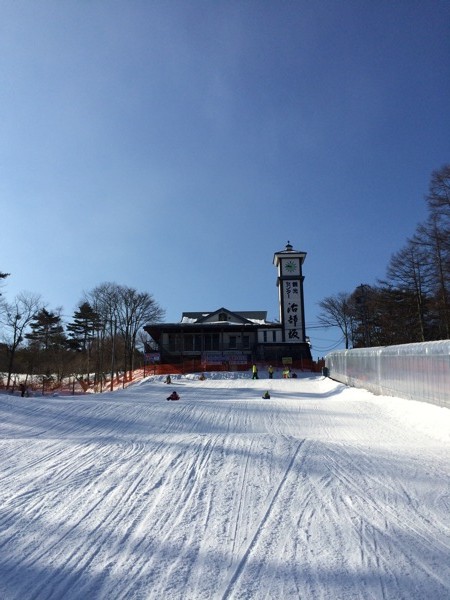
x,y
321,493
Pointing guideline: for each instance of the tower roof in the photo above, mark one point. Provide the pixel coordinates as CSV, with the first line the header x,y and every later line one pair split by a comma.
x,y
288,251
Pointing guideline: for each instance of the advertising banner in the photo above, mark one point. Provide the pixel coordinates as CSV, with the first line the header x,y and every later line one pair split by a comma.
x,y
219,358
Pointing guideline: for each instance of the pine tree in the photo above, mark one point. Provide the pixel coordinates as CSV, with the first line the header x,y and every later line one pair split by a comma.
x,y
82,331
47,331
48,342
83,327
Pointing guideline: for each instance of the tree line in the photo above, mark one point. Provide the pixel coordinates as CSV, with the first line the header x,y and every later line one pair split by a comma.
x,y
103,339
412,302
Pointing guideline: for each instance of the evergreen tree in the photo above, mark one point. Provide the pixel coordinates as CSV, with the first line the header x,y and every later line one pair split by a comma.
x,y
82,331
48,341
47,331
83,327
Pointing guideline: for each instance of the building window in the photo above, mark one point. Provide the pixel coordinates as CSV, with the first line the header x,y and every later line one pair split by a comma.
x,y
212,341
188,343
246,342
192,343
223,317
264,336
274,336
172,342
233,342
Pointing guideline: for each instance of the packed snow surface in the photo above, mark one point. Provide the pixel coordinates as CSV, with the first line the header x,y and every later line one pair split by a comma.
x,y
321,492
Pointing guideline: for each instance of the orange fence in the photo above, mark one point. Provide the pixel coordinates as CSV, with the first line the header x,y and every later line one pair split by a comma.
x,y
194,366
77,385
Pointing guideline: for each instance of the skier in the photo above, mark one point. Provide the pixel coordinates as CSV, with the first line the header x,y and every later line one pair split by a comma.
x,y
270,369
255,372
266,395
173,396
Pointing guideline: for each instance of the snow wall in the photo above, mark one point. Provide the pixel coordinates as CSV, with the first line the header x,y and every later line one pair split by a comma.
x,y
413,371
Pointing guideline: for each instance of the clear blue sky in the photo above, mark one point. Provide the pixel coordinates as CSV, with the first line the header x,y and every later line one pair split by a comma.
x,y
174,146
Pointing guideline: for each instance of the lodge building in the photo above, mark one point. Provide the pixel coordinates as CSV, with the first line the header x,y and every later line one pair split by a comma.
x,y
234,338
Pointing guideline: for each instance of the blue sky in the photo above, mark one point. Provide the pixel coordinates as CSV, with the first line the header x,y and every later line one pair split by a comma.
x,y
174,146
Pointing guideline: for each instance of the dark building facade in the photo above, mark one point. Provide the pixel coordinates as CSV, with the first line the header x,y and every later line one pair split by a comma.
x,y
233,338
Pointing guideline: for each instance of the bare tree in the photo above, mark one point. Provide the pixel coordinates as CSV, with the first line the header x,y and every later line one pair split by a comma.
x,y
408,272
436,243
437,231
336,312
136,310
122,311
438,197
3,276
105,300
16,318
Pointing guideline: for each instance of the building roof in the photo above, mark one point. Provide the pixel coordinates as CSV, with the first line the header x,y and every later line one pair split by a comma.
x,y
254,316
204,320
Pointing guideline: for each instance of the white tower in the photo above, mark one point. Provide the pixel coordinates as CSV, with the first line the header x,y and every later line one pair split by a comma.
x,y
290,294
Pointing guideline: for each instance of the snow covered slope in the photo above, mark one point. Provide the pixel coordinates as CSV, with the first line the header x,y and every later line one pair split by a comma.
x,y
321,492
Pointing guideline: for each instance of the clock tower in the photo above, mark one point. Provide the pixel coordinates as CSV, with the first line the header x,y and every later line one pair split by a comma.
x,y
290,294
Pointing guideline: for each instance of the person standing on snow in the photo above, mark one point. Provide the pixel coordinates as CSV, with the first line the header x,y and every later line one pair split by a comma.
x,y
270,370
255,372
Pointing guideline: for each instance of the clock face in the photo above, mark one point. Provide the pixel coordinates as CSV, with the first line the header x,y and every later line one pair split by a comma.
x,y
290,266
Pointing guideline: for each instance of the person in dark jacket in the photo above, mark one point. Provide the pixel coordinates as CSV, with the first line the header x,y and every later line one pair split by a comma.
x,y
173,396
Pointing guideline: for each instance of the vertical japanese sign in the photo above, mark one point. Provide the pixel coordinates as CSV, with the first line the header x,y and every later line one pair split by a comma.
x,y
292,314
